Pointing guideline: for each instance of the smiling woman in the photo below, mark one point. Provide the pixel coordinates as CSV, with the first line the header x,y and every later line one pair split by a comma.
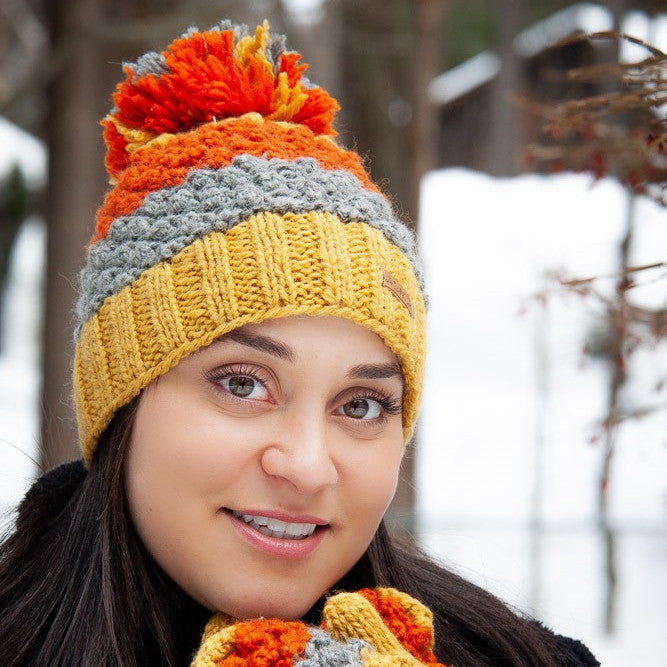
x,y
258,447
248,372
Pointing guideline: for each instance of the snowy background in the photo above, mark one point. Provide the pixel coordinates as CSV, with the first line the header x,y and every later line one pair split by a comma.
x,y
507,475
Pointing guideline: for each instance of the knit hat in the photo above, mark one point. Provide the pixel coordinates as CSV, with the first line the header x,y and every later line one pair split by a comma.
x,y
231,204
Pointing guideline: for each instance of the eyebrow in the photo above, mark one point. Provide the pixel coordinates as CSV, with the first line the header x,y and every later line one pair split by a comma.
x,y
375,371
282,351
262,343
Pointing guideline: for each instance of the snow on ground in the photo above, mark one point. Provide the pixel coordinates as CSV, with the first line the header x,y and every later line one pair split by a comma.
x,y
19,374
486,244
499,382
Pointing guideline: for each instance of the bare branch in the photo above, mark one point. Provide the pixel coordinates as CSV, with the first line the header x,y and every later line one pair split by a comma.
x,y
619,274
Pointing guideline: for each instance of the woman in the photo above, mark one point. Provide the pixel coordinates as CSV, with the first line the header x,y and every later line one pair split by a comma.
x,y
248,370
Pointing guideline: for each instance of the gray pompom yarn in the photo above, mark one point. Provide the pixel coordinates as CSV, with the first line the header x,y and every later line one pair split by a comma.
x,y
151,62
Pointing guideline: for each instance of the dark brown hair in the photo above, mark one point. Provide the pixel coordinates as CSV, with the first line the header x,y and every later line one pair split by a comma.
x,y
77,587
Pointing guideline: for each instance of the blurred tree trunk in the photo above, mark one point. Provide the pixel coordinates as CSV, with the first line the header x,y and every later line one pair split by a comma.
x,y
390,51
427,64
618,330
76,182
320,44
502,156
617,379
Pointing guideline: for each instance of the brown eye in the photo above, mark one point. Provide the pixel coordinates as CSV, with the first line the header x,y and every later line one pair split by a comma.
x,y
244,386
357,409
362,408
240,386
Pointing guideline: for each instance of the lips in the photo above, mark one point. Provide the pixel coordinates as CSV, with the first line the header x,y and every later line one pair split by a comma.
x,y
279,534
273,527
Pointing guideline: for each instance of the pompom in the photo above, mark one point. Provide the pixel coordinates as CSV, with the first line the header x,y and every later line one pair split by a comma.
x,y
204,77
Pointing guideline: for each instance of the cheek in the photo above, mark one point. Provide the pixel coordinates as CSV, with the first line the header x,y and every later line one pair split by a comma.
x,y
180,446
167,465
383,484
372,481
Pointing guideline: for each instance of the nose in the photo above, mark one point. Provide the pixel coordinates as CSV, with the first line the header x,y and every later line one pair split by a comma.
x,y
299,453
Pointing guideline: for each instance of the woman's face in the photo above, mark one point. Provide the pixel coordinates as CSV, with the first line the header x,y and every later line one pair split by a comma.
x,y
259,467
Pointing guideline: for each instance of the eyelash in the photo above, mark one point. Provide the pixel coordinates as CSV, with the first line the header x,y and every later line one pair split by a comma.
x,y
390,406
217,375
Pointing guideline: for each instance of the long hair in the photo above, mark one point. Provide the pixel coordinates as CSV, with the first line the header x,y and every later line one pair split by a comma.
x,y
77,587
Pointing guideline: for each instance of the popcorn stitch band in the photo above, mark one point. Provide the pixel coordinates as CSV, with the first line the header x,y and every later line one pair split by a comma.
x,y
232,204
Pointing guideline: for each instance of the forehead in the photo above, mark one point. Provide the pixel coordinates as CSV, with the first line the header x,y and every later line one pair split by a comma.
x,y
302,337
299,331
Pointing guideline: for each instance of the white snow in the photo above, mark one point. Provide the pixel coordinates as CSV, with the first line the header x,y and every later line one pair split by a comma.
x,y
481,477
19,367
19,358
22,148
584,17
305,12
588,17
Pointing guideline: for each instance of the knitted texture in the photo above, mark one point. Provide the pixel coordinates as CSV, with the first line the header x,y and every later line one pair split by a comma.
x,y
232,203
215,200
370,628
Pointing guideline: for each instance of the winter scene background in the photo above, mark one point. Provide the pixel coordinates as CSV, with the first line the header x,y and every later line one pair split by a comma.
x,y
507,465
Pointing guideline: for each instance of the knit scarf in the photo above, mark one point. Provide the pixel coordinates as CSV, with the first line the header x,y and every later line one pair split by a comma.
x,y
370,628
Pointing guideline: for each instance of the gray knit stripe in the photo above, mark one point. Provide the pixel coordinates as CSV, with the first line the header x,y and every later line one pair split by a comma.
x,y
322,650
210,200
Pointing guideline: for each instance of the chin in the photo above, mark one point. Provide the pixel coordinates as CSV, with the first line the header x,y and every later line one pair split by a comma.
x,y
261,605
283,609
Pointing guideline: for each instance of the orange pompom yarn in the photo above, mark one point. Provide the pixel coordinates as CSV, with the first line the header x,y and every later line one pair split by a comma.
x,y
208,77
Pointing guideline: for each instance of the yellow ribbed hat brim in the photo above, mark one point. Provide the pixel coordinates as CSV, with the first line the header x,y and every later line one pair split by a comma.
x,y
271,265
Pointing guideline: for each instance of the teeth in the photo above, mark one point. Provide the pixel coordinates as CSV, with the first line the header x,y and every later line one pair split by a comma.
x,y
276,525
261,520
277,528
295,529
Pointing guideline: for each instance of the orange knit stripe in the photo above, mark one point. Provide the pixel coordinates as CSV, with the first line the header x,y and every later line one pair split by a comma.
x,y
418,640
267,643
213,146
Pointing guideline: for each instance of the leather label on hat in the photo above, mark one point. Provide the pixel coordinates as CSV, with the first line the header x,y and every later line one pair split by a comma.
x,y
397,290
